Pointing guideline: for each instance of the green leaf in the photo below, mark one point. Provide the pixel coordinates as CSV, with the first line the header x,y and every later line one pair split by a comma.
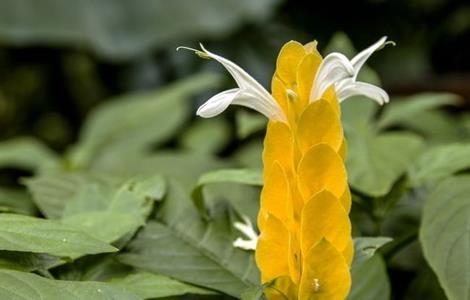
x,y
28,234
26,153
95,207
27,261
249,123
137,122
242,176
438,163
207,136
399,110
52,191
376,162
370,280
183,246
445,235
150,286
16,285
184,166
120,30
16,201
365,247
254,293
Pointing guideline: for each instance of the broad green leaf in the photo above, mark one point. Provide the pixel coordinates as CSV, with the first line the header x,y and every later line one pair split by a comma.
x,y
370,280
51,192
101,267
109,213
438,163
445,235
357,115
184,166
26,153
437,126
16,201
365,247
28,234
405,108
27,261
185,247
16,285
254,293
242,176
150,286
137,122
122,30
375,162
249,123
207,135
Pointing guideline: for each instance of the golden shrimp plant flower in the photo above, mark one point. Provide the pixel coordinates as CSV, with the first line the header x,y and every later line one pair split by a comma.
x,y
305,246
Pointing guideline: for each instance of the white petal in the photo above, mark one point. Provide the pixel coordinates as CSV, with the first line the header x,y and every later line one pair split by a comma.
x,y
365,89
359,60
251,93
245,244
246,228
217,104
334,67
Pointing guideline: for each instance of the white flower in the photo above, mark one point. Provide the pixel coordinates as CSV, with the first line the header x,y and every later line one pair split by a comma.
x,y
338,70
249,93
247,229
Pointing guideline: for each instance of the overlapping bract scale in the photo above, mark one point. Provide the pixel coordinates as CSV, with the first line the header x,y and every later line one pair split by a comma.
x,y
305,247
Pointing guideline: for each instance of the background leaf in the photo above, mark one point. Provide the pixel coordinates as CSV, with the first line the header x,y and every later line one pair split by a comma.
x,y
122,30
370,280
183,246
18,285
375,162
445,235
241,176
149,286
402,109
22,233
439,162
26,153
136,122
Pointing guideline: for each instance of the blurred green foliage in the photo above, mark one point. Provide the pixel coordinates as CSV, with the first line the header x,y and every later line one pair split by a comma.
x,y
98,128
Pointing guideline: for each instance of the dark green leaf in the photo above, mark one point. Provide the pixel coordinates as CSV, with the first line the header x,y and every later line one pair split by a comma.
x,y
133,123
365,247
150,286
370,280
28,154
16,285
16,201
399,110
27,261
438,163
124,30
28,234
445,235
376,162
242,176
183,246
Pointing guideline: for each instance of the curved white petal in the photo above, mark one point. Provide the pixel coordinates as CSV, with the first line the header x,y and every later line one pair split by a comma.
x,y
247,229
217,104
359,60
249,94
334,67
365,89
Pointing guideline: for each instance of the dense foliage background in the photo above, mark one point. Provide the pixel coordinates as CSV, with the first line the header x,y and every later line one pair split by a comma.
x,y
99,137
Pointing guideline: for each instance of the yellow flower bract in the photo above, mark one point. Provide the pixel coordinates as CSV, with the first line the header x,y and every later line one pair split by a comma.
x,y
305,247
